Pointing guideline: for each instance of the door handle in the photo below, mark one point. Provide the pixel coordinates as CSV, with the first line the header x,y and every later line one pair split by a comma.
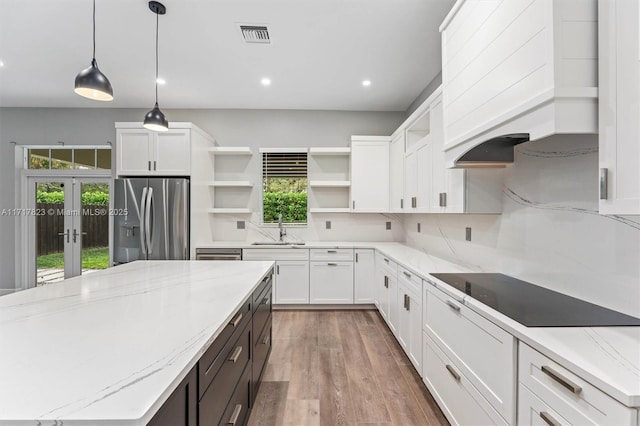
x,y
149,165
143,225
356,257
603,183
154,165
414,202
147,221
67,235
443,199
76,234
386,281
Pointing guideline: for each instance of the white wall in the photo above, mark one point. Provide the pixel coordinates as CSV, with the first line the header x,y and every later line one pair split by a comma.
x,y
550,232
255,128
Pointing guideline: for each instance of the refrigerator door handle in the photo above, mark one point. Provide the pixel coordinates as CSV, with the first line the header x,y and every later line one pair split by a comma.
x,y
147,221
143,227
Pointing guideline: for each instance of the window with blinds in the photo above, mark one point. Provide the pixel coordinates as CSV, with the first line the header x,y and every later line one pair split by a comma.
x,y
284,187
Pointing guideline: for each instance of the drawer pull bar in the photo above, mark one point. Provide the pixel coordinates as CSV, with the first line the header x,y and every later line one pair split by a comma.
x,y
234,322
332,251
236,353
561,379
548,419
453,372
453,306
332,264
266,339
386,260
265,301
406,274
235,415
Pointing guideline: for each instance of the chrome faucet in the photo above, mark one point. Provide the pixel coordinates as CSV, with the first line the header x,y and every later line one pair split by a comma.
x,y
283,232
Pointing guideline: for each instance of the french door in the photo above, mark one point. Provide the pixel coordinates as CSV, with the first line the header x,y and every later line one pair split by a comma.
x,y
68,229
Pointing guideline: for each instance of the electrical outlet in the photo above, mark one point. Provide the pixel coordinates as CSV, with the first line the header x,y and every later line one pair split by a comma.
x,y
419,227
240,224
388,225
327,224
467,234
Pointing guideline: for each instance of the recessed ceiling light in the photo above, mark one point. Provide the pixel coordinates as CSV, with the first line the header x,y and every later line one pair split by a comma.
x,y
265,82
161,80
1,64
366,83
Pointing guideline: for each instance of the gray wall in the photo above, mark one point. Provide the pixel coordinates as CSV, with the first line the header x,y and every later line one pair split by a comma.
x,y
433,85
93,126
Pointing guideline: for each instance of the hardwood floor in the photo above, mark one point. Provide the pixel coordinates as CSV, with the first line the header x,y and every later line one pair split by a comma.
x,y
340,368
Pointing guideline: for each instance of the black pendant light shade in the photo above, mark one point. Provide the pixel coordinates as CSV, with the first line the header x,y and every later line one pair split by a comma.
x,y
155,120
90,82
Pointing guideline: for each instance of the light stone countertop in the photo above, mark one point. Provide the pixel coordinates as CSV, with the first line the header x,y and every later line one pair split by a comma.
x,y
109,347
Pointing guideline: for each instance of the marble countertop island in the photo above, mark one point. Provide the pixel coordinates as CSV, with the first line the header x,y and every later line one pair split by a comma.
x,y
109,347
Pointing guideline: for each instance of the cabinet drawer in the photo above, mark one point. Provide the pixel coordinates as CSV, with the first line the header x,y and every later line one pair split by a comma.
x,y
262,311
457,397
569,395
484,352
386,264
214,357
533,411
218,394
237,412
331,254
258,292
411,280
261,350
275,254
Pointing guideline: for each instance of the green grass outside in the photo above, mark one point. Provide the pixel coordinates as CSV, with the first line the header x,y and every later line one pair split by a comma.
x,y
93,258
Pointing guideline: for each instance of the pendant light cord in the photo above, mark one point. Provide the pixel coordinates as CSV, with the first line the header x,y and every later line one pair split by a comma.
x,y
94,29
157,20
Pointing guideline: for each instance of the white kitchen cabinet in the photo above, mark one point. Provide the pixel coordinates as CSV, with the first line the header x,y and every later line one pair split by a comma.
x,y
291,282
363,276
410,316
549,391
369,174
519,67
619,76
418,176
331,283
144,152
387,283
396,174
478,349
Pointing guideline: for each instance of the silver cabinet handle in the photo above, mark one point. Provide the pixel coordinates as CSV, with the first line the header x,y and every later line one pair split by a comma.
x,y
149,165
603,183
236,353
414,202
453,372
443,199
332,264
264,301
406,274
408,302
332,251
561,379
354,204
234,416
266,339
453,306
548,419
386,260
154,165
278,269
65,233
386,281
401,203
356,257
235,321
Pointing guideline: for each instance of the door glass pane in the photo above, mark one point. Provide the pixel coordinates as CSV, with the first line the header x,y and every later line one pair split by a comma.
x,y
38,158
84,159
95,226
104,159
61,158
50,232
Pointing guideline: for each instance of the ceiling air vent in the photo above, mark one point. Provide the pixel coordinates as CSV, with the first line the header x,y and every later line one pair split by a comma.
x,y
255,34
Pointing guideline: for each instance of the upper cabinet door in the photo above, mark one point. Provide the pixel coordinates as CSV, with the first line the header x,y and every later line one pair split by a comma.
x,y
370,174
173,152
619,42
134,152
396,174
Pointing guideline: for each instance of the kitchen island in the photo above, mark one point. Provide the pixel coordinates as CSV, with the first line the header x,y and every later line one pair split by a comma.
x,y
111,346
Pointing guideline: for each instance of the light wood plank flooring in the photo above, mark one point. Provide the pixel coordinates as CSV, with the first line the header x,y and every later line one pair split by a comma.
x,y
340,368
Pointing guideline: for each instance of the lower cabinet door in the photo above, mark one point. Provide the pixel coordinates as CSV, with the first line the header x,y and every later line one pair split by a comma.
x,y
331,282
363,276
180,409
393,318
460,401
532,411
292,282
237,412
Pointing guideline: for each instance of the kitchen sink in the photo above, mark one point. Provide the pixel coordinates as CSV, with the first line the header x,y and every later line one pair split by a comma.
x,y
277,243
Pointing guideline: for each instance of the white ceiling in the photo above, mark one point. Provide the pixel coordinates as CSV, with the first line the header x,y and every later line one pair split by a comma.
x,y
321,51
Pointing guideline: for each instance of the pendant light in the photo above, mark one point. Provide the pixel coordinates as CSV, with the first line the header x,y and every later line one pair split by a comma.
x,y
90,82
155,119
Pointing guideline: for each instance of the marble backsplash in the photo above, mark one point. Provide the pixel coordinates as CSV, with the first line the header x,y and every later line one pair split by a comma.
x,y
550,232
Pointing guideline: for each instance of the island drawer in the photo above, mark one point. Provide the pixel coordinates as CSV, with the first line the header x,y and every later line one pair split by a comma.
x,y
232,365
214,357
262,311
261,350
331,254
237,412
258,292
569,395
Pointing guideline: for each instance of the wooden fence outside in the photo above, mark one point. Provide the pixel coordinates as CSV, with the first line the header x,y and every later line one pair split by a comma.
x,y
95,222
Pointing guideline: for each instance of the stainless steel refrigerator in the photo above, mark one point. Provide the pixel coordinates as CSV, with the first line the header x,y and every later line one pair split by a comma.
x,y
151,219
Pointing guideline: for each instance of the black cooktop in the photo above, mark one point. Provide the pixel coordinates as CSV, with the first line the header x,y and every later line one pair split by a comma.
x,y
532,305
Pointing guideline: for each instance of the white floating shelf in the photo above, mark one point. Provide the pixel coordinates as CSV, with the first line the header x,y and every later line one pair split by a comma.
x,y
232,183
330,151
330,210
232,210
231,150
330,183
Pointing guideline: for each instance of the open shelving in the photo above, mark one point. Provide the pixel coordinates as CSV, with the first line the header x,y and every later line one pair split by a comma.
x,y
229,190
329,179
232,183
231,150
